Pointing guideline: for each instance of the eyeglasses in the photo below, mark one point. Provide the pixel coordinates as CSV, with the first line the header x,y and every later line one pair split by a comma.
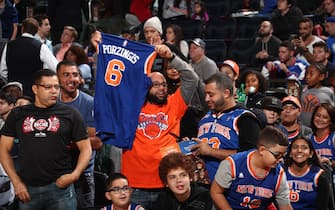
x,y
157,85
125,189
276,155
289,107
49,87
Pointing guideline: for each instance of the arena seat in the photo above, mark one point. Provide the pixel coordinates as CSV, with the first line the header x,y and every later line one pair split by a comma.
x,y
216,49
221,29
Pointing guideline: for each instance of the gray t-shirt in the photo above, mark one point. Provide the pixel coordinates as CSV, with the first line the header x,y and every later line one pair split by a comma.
x,y
205,68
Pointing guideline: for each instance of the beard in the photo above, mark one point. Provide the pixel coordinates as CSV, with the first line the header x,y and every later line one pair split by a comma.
x,y
264,34
155,100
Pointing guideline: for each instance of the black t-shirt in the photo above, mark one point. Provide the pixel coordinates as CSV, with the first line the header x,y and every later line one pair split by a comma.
x,y
45,135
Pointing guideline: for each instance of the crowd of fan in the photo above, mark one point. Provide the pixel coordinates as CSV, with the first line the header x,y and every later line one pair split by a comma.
x,y
264,134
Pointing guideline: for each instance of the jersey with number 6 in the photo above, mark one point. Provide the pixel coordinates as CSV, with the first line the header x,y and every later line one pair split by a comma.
x,y
303,188
220,132
121,85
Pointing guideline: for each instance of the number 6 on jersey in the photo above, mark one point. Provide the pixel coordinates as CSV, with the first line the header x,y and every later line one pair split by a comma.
x,y
113,75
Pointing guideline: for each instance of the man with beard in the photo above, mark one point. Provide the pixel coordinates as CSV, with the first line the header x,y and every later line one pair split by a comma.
x,y
289,119
159,117
321,54
304,42
266,45
287,67
226,128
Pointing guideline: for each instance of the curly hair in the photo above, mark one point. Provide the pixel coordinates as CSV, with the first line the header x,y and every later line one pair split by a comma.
x,y
263,85
175,161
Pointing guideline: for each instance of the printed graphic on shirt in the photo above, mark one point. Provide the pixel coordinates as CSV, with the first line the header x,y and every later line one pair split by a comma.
x,y
40,126
152,125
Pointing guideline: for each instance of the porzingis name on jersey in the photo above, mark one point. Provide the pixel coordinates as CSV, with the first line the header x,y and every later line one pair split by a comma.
x,y
120,51
153,124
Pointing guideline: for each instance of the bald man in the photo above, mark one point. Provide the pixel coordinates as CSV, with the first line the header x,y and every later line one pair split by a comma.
x,y
159,116
266,45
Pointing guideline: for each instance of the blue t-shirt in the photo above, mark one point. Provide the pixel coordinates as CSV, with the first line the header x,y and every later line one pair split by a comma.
x,y
84,104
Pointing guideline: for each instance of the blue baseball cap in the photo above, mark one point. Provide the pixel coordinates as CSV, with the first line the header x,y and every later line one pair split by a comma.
x,y
330,19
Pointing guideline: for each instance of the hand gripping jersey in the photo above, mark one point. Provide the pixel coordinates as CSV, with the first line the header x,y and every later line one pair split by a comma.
x,y
247,191
303,189
121,87
220,132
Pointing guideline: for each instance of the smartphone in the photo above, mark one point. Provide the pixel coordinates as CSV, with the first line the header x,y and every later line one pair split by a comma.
x,y
294,36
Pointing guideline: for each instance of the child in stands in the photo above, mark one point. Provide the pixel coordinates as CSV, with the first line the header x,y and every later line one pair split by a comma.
x,y
314,94
308,182
253,179
119,193
176,172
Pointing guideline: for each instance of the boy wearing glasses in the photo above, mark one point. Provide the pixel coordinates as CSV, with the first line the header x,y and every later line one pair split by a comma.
x,y
254,179
119,193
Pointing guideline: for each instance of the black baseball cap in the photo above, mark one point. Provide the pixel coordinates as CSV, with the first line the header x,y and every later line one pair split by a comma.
x,y
272,103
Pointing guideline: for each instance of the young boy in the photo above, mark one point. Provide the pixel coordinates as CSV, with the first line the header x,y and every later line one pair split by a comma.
x,y
176,172
314,93
253,179
119,193
272,107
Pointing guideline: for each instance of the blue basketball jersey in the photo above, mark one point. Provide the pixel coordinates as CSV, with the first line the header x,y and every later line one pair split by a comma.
x,y
303,189
324,147
247,191
220,132
121,87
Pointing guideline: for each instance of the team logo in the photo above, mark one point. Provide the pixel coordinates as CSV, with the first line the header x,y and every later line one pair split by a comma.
x,y
40,126
152,125
125,42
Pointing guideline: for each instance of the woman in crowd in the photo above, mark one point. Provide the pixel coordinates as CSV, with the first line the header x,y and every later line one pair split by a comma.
x,y
323,121
308,182
200,12
174,35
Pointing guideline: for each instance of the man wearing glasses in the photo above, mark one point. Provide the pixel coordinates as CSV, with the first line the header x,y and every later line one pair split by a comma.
x,y
46,130
290,119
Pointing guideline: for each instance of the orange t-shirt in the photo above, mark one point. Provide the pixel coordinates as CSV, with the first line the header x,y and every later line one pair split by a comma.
x,y
152,140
